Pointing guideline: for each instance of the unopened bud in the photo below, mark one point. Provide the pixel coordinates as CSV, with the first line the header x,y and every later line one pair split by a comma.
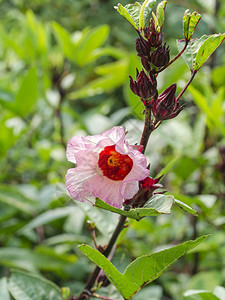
x,y
161,56
153,36
146,64
142,46
166,106
143,87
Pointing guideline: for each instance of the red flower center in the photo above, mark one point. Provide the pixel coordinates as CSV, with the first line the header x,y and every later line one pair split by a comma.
x,y
114,165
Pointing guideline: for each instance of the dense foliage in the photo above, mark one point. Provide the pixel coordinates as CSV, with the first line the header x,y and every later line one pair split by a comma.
x,y
64,72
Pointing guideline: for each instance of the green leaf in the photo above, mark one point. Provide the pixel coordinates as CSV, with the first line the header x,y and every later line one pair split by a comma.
x,y
158,204
219,291
145,11
40,258
189,56
17,258
92,40
114,76
186,207
205,280
6,96
47,217
203,295
213,114
142,270
160,13
27,94
169,166
207,48
64,40
25,286
130,12
190,21
14,198
4,294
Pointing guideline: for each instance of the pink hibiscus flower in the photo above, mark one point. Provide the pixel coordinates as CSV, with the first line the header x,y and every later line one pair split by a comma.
x,y
107,167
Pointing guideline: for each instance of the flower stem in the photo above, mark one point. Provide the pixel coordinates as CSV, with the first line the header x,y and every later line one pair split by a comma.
x,y
94,275
147,129
193,73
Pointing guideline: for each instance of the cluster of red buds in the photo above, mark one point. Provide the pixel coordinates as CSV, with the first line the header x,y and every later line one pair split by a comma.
x,y
151,41
154,57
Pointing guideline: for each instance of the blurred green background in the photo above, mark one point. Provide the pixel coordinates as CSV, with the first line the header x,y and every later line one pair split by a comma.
x,y
64,69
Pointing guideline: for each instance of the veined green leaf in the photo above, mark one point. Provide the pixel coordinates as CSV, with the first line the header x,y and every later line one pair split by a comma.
x,y
142,270
25,286
190,21
130,12
189,56
160,13
145,11
158,204
207,48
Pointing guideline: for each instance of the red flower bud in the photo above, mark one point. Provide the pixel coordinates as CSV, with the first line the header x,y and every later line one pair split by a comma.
x,y
142,46
144,87
166,106
147,188
153,36
146,64
161,56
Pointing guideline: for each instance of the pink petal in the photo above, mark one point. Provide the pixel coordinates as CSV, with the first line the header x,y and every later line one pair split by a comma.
x,y
107,190
129,189
76,144
137,147
115,134
139,170
77,178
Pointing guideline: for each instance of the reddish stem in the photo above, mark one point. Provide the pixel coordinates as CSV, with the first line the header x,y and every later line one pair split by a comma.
x,y
193,73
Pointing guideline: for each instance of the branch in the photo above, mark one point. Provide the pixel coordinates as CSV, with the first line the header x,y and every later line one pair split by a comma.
x,y
193,73
147,129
